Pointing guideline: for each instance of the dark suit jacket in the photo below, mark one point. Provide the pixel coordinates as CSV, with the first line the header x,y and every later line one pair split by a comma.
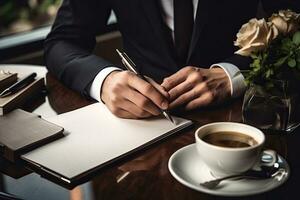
x,y
69,46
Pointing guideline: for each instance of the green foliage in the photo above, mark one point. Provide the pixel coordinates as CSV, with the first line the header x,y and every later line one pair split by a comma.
x,y
13,10
292,62
296,38
281,60
7,14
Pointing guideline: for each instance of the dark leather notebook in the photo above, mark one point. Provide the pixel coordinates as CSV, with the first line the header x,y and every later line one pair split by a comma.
x,y
7,79
19,98
20,132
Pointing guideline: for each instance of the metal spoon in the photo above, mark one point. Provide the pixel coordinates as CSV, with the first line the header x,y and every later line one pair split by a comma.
x,y
266,172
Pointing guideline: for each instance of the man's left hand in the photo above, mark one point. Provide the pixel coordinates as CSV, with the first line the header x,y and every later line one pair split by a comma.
x,y
194,87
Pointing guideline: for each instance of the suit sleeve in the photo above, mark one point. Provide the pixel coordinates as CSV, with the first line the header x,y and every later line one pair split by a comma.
x,y
269,7
69,45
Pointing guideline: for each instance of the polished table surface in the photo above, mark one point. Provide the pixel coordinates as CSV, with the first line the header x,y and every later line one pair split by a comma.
x,y
149,177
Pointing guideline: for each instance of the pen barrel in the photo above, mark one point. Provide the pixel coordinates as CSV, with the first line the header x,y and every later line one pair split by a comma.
x,y
26,80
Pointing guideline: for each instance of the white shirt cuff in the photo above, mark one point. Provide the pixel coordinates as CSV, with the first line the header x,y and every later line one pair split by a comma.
x,y
236,78
95,90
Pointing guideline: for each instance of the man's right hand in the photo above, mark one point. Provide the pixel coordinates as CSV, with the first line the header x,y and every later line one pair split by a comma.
x,y
128,96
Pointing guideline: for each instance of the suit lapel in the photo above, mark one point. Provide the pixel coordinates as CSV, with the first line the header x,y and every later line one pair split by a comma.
x,y
202,17
153,12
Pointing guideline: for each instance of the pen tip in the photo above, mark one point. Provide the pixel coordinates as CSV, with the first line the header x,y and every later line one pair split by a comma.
x,y
169,117
172,120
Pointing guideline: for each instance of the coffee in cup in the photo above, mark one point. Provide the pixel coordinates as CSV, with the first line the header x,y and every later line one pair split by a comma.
x,y
229,139
229,148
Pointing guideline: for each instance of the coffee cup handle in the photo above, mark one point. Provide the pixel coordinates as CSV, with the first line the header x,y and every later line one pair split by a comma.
x,y
268,158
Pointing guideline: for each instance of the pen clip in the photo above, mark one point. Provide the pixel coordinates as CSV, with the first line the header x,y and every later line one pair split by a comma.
x,y
129,63
128,59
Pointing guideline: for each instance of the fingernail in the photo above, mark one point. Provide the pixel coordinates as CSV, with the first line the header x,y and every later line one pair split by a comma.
x,y
164,105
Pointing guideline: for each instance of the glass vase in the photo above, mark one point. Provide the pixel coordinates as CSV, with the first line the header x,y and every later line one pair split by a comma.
x,y
273,107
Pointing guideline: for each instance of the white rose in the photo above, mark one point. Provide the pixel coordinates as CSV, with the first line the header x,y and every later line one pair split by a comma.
x,y
286,21
255,36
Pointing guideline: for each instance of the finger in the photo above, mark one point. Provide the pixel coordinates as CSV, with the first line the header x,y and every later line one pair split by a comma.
x,y
204,100
119,112
149,91
175,79
135,110
125,114
189,96
180,89
142,102
158,87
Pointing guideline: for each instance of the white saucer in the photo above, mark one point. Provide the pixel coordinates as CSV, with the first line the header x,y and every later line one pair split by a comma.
x,y
186,166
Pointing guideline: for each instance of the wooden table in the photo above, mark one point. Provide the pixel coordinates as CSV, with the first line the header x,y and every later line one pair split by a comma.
x,y
149,177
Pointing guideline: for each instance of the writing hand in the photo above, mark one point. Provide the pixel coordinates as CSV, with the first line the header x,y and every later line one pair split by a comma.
x,y
128,96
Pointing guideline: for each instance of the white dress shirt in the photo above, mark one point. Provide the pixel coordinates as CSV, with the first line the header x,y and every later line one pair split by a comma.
x,y
236,79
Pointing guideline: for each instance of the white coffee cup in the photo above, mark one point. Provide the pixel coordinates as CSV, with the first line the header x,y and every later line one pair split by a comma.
x,y
232,160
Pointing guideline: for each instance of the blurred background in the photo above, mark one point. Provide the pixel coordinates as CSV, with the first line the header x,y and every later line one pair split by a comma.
x,y
24,24
24,15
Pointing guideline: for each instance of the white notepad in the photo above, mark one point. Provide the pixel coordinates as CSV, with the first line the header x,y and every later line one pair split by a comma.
x,y
95,138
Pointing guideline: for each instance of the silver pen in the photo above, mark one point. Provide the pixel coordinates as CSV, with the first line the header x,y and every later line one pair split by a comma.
x,y
129,64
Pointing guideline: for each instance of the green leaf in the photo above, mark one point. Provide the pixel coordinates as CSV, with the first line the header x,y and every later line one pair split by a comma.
x,y
292,62
280,61
269,73
287,44
253,56
256,69
255,64
296,38
264,55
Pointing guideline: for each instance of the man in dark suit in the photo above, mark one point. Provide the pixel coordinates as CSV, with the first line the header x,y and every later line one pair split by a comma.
x,y
186,45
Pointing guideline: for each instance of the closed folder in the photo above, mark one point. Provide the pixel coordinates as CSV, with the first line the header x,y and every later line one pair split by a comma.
x,y
21,132
96,138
